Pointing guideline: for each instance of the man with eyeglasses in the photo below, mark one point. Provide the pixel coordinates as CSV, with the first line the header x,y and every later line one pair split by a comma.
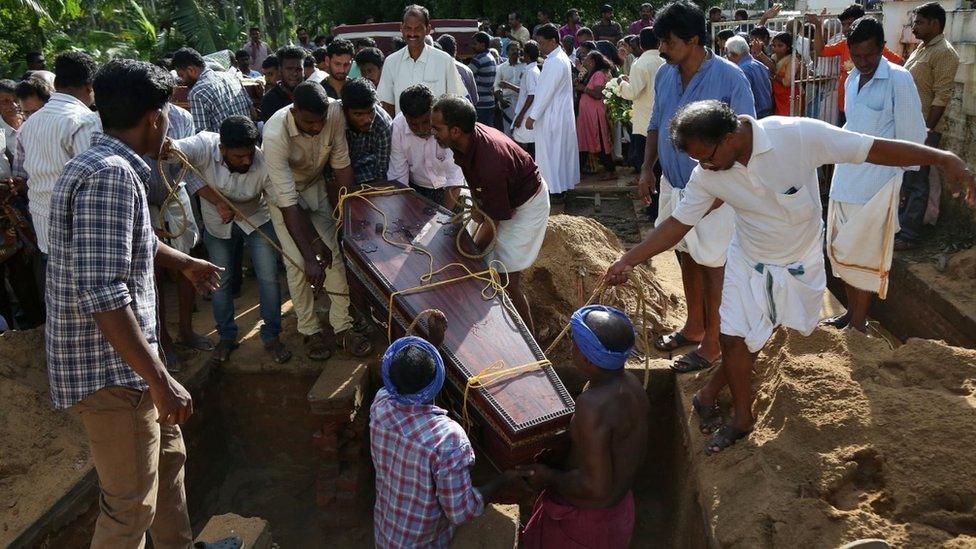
x,y
765,171
692,73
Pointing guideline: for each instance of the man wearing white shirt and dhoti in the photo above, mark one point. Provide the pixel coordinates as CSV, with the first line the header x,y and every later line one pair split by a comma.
x,y
880,99
416,159
237,181
775,272
639,88
557,153
526,96
418,63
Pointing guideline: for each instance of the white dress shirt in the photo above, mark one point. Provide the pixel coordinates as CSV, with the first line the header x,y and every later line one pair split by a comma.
x,y
640,89
776,198
419,160
61,130
245,190
434,69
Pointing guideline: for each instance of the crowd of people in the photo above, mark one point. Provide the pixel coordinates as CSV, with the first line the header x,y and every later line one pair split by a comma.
x,y
109,187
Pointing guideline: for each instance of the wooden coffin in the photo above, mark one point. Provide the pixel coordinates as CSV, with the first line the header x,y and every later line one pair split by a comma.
x,y
513,419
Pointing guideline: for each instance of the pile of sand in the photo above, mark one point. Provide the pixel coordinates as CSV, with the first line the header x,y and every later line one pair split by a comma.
x,y
957,281
853,440
575,254
43,452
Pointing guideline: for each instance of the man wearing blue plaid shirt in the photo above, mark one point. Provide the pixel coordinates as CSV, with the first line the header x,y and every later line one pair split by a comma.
x,y
102,333
368,131
213,95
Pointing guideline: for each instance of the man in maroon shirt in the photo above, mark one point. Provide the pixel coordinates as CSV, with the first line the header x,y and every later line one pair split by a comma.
x,y
505,183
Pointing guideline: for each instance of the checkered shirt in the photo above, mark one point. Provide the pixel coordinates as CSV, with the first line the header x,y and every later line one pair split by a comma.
x,y
423,483
101,259
214,97
370,152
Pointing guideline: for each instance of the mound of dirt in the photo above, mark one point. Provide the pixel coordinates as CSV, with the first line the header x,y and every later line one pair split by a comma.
x,y
43,452
853,440
574,255
957,282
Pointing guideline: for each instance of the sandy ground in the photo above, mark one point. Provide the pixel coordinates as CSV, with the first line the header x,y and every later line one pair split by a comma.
x,y
957,281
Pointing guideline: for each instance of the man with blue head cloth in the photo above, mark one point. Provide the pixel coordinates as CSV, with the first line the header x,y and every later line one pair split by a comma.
x,y
590,504
422,457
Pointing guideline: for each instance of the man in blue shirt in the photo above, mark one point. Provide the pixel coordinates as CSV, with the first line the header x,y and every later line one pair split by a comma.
x,y
483,66
880,99
758,75
693,73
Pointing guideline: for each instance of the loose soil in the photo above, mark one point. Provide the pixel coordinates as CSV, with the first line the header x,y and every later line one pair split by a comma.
x,y
957,281
615,212
853,440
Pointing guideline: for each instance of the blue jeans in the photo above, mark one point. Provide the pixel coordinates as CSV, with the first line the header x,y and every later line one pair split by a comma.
x,y
264,258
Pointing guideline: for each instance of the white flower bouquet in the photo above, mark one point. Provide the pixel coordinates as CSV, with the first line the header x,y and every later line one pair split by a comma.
x,y
618,108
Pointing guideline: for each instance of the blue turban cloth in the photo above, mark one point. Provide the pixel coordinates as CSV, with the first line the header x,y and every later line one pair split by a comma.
x,y
589,344
426,394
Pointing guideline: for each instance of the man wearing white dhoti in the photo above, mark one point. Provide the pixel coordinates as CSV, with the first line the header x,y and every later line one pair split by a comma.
x,y
880,99
551,115
505,184
775,271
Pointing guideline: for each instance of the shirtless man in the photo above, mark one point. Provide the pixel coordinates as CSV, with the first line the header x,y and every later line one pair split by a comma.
x,y
590,504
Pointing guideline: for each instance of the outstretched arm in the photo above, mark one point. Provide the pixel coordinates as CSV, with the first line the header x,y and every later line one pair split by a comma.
x,y
664,237
890,152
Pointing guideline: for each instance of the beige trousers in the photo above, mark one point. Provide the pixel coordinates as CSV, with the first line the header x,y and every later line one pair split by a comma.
x,y
302,297
140,471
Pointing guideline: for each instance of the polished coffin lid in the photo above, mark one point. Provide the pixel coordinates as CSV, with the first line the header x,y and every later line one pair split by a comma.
x,y
523,409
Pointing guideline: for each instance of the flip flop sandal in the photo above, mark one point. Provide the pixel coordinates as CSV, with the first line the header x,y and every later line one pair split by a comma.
x,y
226,543
673,341
198,343
709,417
355,343
221,353
692,362
726,436
277,351
839,321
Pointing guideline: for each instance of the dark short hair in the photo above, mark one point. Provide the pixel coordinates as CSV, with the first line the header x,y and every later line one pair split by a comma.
x,y
864,29
531,48
187,57
572,11
300,29
125,90
515,15
412,369
319,38
311,97
448,43
587,30
8,86
417,11
364,42
605,8
73,69
398,43
683,20
545,11
270,62
358,93
932,10
253,29
417,100
457,111
714,9
341,46
854,11
309,61
548,31
237,132
370,56
725,34
34,86
320,54
760,31
646,5
482,38
707,121
743,13
648,40
32,55
242,53
290,52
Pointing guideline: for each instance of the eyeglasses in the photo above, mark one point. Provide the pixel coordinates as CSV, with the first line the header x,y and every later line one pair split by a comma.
x,y
707,162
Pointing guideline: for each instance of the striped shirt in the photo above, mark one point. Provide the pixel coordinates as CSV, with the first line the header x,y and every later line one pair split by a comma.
x,y
59,131
369,152
102,248
180,127
423,479
483,66
214,97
